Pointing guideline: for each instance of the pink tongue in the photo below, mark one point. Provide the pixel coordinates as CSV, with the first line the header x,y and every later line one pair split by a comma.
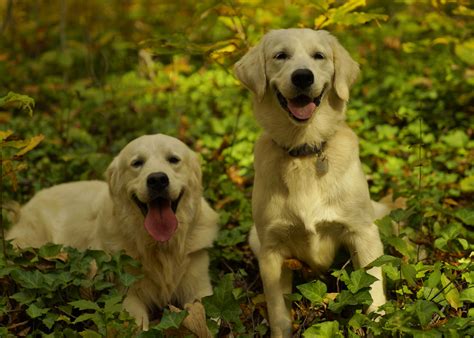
x,y
303,113
160,221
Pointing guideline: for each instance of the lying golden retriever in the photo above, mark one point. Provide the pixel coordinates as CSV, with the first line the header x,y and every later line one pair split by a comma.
x,y
310,194
151,207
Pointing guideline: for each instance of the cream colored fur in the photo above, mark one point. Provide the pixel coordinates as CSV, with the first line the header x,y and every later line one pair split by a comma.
x,y
100,215
298,212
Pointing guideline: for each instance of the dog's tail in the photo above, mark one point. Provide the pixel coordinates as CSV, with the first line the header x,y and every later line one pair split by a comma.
x,y
12,211
254,241
386,204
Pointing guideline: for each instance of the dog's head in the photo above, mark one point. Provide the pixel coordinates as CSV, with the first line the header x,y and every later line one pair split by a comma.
x,y
153,175
298,71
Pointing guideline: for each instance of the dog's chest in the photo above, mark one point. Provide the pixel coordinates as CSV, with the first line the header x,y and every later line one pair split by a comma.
x,y
312,197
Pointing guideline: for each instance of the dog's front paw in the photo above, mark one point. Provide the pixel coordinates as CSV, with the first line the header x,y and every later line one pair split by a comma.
x,y
134,306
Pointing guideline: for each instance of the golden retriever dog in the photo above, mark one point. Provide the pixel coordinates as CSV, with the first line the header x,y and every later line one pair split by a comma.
x,y
310,194
151,207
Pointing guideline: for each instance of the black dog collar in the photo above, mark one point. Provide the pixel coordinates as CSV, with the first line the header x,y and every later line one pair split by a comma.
x,y
304,149
307,150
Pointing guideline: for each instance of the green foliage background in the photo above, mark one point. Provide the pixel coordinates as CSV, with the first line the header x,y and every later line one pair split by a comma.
x,y
104,72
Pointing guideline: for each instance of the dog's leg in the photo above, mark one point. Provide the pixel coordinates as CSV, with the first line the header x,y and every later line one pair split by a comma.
x,y
137,309
195,283
275,283
365,246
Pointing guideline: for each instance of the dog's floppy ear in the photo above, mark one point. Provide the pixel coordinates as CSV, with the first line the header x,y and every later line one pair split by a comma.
x,y
250,70
345,68
195,177
112,175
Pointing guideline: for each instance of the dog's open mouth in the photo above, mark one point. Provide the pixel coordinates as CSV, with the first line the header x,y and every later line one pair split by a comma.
x,y
160,216
301,107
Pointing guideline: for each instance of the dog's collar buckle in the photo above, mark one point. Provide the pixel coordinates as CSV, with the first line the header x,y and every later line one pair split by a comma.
x,y
308,150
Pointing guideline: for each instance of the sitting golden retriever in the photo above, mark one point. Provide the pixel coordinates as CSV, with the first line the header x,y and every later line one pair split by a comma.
x,y
310,194
151,207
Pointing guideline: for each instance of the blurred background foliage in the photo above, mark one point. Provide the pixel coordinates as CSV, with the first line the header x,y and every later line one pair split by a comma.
x,y
100,73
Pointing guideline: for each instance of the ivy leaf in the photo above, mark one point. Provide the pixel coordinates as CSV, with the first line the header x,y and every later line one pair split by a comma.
x,y
385,259
171,319
359,280
86,316
127,279
24,297
314,291
34,311
324,329
424,310
222,303
50,250
113,304
29,279
85,305
343,299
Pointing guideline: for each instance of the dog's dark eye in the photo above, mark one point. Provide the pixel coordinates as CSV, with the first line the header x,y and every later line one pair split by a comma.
x,y
281,56
318,56
138,163
174,159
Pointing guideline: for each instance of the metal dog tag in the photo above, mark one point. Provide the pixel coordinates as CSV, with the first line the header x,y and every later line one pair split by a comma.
x,y
322,165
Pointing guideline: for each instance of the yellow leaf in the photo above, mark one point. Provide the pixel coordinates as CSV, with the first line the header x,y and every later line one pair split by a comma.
x,y
319,21
32,143
222,52
450,292
5,134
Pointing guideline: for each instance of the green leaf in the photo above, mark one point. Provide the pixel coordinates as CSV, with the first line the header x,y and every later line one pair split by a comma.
x,y
465,51
24,297
87,316
127,279
359,280
314,291
324,329
347,298
425,310
401,246
434,279
113,304
90,334
467,295
85,305
29,279
450,292
408,273
34,311
171,319
293,297
466,215
222,303
467,184
385,259
49,250
49,320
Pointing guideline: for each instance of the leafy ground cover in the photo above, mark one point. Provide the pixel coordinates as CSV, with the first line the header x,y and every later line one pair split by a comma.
x,y
93,75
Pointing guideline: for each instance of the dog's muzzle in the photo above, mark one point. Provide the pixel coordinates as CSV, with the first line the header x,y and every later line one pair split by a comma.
x,y
302,107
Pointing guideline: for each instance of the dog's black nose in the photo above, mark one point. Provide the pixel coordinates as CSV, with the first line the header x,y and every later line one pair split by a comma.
x,y
302,78
157,181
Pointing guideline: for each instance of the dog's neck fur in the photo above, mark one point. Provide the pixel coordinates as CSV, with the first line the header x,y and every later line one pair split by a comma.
x,y
329,117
